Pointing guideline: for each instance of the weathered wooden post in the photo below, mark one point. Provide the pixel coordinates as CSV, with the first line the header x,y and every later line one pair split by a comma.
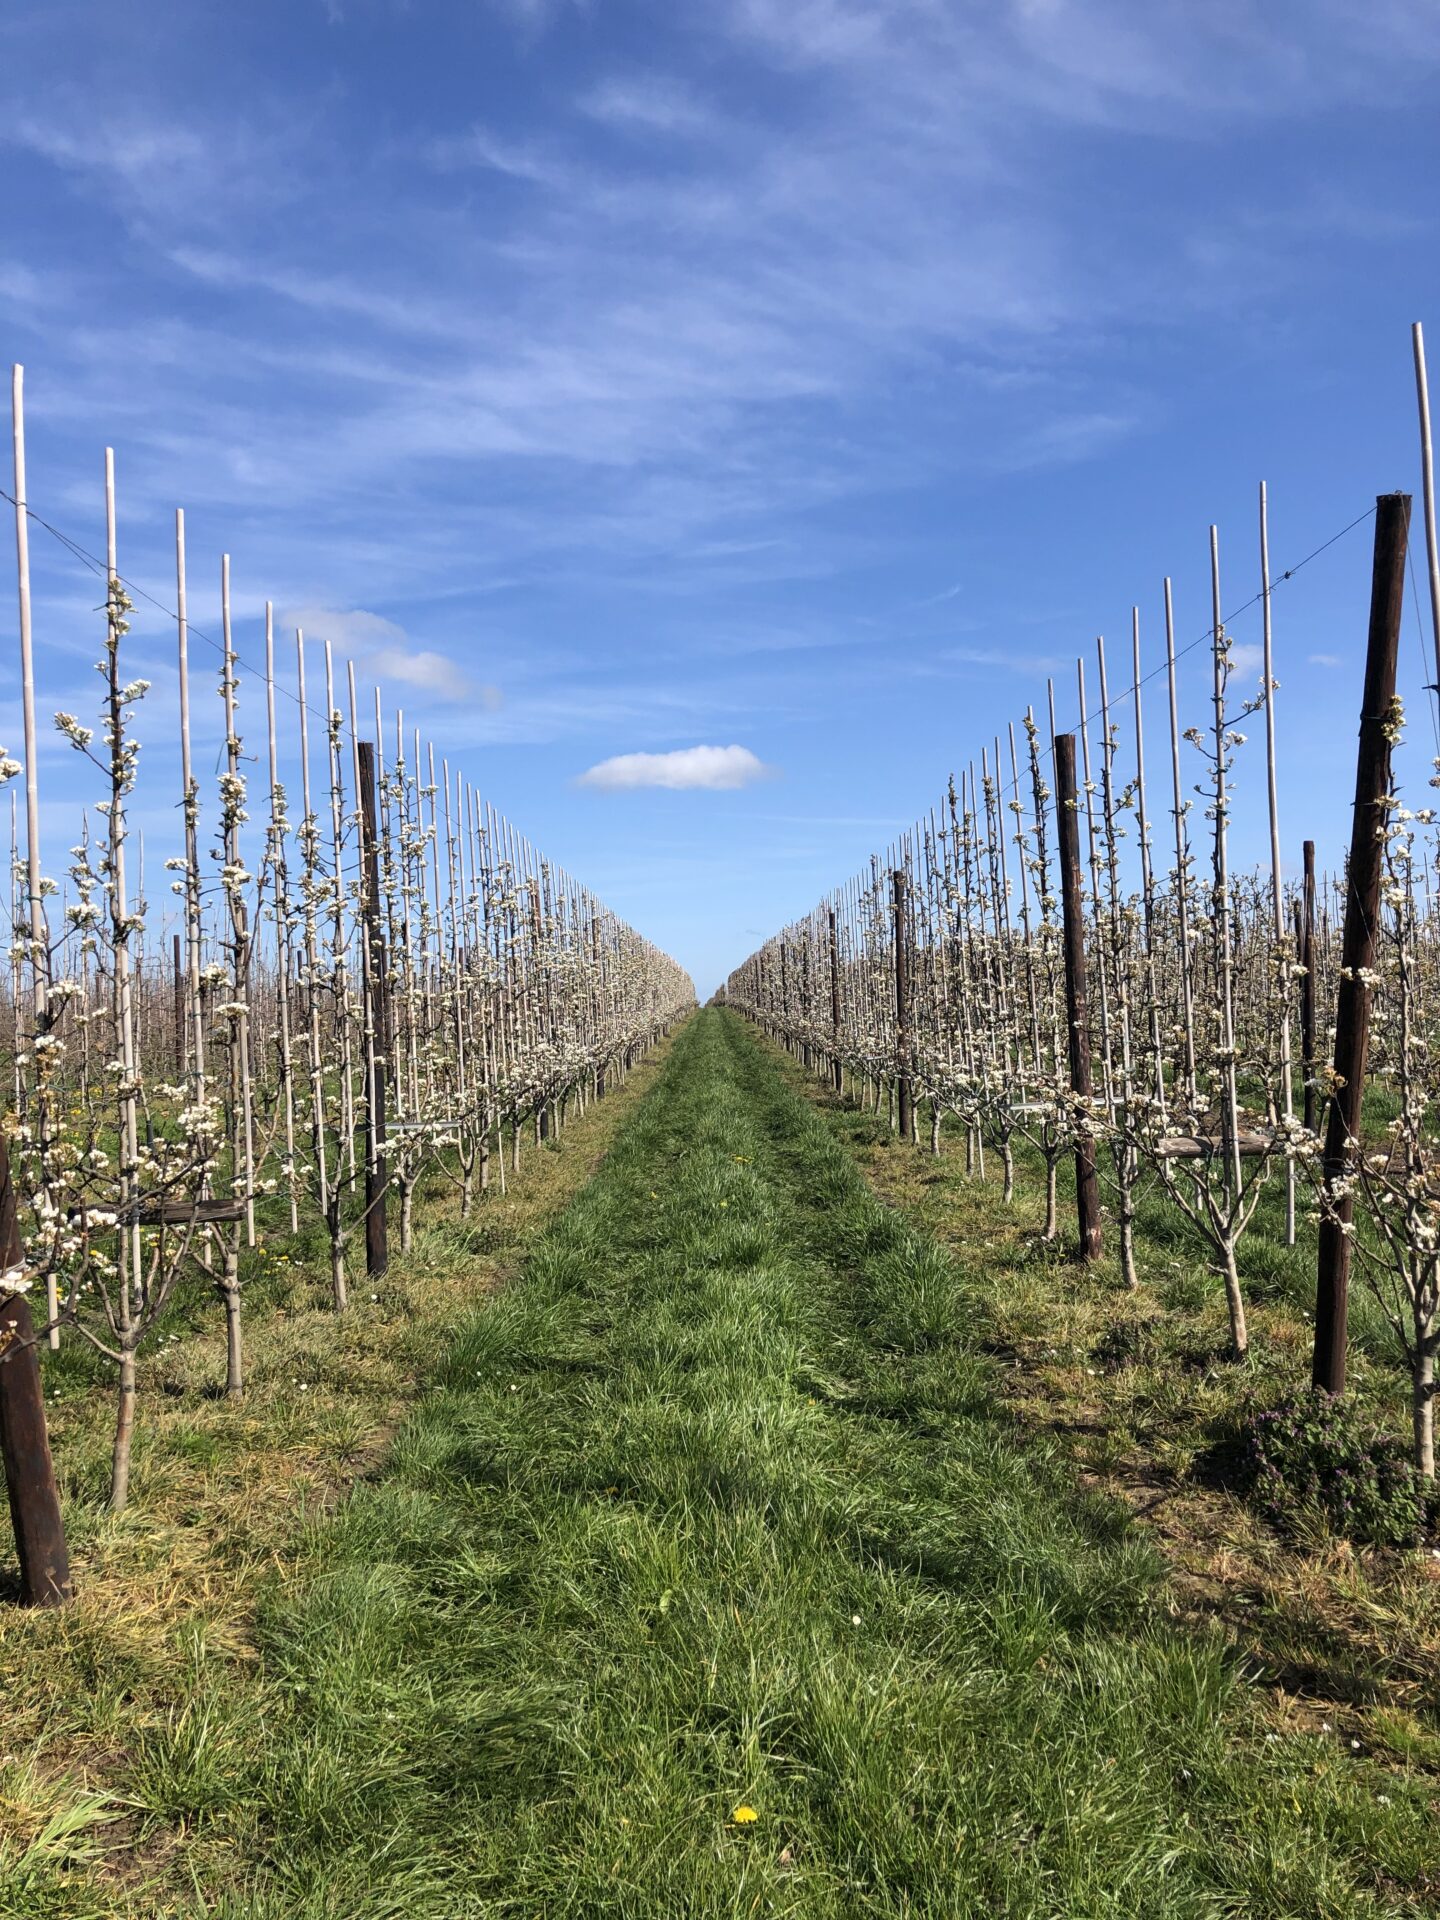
x,y
1077,1014
837,1071
904,1085
24,1442
377,1247
1357,951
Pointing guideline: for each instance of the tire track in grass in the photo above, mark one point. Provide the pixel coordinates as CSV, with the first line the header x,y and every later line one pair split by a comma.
x,y
707,1515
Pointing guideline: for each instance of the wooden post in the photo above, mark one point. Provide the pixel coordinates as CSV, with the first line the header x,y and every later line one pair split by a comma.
x,y
1306,958
903,1084
1077,1016
24,1442
836,1069
1362,902
377,1251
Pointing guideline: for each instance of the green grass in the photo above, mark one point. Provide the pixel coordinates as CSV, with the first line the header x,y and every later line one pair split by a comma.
x,y
712,1507
1138,1391
167,1593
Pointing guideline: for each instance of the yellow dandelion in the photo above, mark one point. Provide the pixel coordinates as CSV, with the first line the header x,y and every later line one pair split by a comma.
x,y
744,1816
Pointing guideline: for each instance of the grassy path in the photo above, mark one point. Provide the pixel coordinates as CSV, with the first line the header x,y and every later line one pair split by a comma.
x,y
710,1511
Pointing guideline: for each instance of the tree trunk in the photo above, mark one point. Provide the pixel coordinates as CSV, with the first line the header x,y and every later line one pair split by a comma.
x,y
339,1291
1125,1181
1052,1209
1234,1301
1128,1272
234,1348
124,1434
1423,1403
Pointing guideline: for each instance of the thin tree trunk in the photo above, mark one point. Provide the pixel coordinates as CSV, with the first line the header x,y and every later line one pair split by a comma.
x,y
1422,1405
124,1433
1234,1301
234,1351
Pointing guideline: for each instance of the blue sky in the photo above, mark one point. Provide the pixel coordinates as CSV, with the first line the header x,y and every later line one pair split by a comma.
x,y
810,377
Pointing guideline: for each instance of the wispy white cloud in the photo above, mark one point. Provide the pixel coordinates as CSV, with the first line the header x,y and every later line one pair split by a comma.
x,y
1009,659
1323,660
713,768
384,650
481,146
1247,658
429,672
649,103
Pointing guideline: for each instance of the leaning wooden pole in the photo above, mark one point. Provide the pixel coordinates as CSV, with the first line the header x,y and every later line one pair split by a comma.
x,y
24,1442
1077,1014
1362,904
377,1251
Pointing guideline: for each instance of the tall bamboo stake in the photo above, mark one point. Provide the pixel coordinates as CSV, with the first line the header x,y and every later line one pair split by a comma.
x,y
39,936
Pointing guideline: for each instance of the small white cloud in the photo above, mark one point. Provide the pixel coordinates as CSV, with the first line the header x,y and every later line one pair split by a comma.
x,y
715,768
384,650
1247,657
1323,660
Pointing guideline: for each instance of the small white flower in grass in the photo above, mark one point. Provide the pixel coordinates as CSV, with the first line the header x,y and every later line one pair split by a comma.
x,y
1383,1798
854,1619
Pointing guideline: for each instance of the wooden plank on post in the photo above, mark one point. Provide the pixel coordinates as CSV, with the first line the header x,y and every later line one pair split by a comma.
x,y
1077,1013
904,1086
377,1249
24,1441
1357,954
